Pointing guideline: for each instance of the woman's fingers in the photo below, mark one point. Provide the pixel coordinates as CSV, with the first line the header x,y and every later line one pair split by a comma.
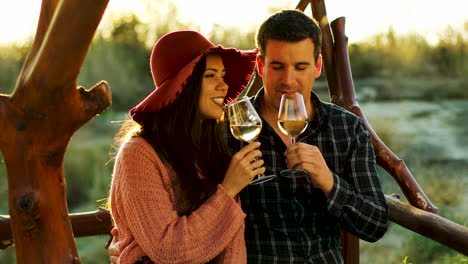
x,y
243,168
258,171
247,157
252,156
245,150
257,164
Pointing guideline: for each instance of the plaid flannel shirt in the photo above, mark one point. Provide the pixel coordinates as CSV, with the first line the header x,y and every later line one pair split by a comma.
x,y
290,221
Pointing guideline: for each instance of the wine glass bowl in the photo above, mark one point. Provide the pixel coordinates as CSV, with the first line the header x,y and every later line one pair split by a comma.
x,y
292,121
245,125
292,128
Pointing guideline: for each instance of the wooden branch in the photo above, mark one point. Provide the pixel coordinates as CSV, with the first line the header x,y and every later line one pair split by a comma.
x,y
95,100
429,225
84,224
302,5
319,12
47,12
385,157
65,45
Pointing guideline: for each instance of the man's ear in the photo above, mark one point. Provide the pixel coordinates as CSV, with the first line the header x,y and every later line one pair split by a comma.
x,y
318,66
259,66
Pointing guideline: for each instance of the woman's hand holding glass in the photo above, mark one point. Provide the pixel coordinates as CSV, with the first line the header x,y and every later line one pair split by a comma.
x,y
245,125
244,166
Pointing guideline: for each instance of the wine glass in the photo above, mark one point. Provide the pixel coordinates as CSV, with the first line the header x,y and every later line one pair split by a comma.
x,y
245,125
292,121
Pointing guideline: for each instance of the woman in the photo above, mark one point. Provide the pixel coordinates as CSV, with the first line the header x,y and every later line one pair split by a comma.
x,y
174,186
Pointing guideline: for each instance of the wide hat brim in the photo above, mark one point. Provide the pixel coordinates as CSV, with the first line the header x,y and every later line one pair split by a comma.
x,y
239,65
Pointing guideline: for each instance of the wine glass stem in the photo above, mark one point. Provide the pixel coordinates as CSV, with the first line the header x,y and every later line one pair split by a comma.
x,y
261,175
293,140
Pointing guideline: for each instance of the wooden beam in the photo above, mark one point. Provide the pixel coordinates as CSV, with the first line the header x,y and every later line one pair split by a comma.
x,y
6,238
429,225
84,224
91,223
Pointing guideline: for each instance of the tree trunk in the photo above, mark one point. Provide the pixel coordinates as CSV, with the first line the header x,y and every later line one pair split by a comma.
x,y
37,122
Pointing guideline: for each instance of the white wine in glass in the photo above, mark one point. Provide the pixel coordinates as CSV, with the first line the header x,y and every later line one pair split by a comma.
x,y
292,128
247,133
245,125
292,121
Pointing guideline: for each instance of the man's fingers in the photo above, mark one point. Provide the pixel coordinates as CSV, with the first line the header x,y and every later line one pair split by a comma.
x,y
301,147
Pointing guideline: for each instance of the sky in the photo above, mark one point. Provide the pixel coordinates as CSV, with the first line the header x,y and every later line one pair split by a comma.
x,y
364,18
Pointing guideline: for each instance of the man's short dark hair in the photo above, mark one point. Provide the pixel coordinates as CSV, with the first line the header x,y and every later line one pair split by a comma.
x,y
291,26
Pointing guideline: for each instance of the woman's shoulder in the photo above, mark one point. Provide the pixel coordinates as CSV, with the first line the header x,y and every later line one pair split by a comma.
x,y
138,147
137,154
135,142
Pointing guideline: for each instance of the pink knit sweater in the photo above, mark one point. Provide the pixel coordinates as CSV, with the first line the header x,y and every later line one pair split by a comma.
x,y
144,205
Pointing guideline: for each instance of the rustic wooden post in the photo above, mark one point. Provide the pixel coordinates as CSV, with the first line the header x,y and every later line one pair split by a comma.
x,y
319,12
342,93
38,119
349,242
341,88
346,98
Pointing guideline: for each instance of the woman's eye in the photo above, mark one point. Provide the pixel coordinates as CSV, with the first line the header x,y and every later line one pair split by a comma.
x,y
210,75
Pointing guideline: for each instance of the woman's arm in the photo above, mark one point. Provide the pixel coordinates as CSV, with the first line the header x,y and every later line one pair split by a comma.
x,y
143,208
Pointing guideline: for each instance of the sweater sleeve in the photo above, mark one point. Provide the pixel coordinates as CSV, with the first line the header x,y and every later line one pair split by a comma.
x,y
236,251
146,207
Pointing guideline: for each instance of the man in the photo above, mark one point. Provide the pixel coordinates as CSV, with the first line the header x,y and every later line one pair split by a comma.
x,y
298,220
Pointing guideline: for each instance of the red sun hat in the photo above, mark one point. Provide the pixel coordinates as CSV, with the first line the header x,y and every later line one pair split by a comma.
x,y
173,59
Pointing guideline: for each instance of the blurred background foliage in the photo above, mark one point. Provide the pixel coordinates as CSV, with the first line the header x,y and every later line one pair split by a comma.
x,y
386,66
387,69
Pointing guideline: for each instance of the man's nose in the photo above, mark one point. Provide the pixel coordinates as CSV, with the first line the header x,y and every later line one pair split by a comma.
x,y
289,77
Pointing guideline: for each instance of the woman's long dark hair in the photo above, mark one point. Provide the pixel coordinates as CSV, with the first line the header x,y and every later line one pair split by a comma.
x,y
191,147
